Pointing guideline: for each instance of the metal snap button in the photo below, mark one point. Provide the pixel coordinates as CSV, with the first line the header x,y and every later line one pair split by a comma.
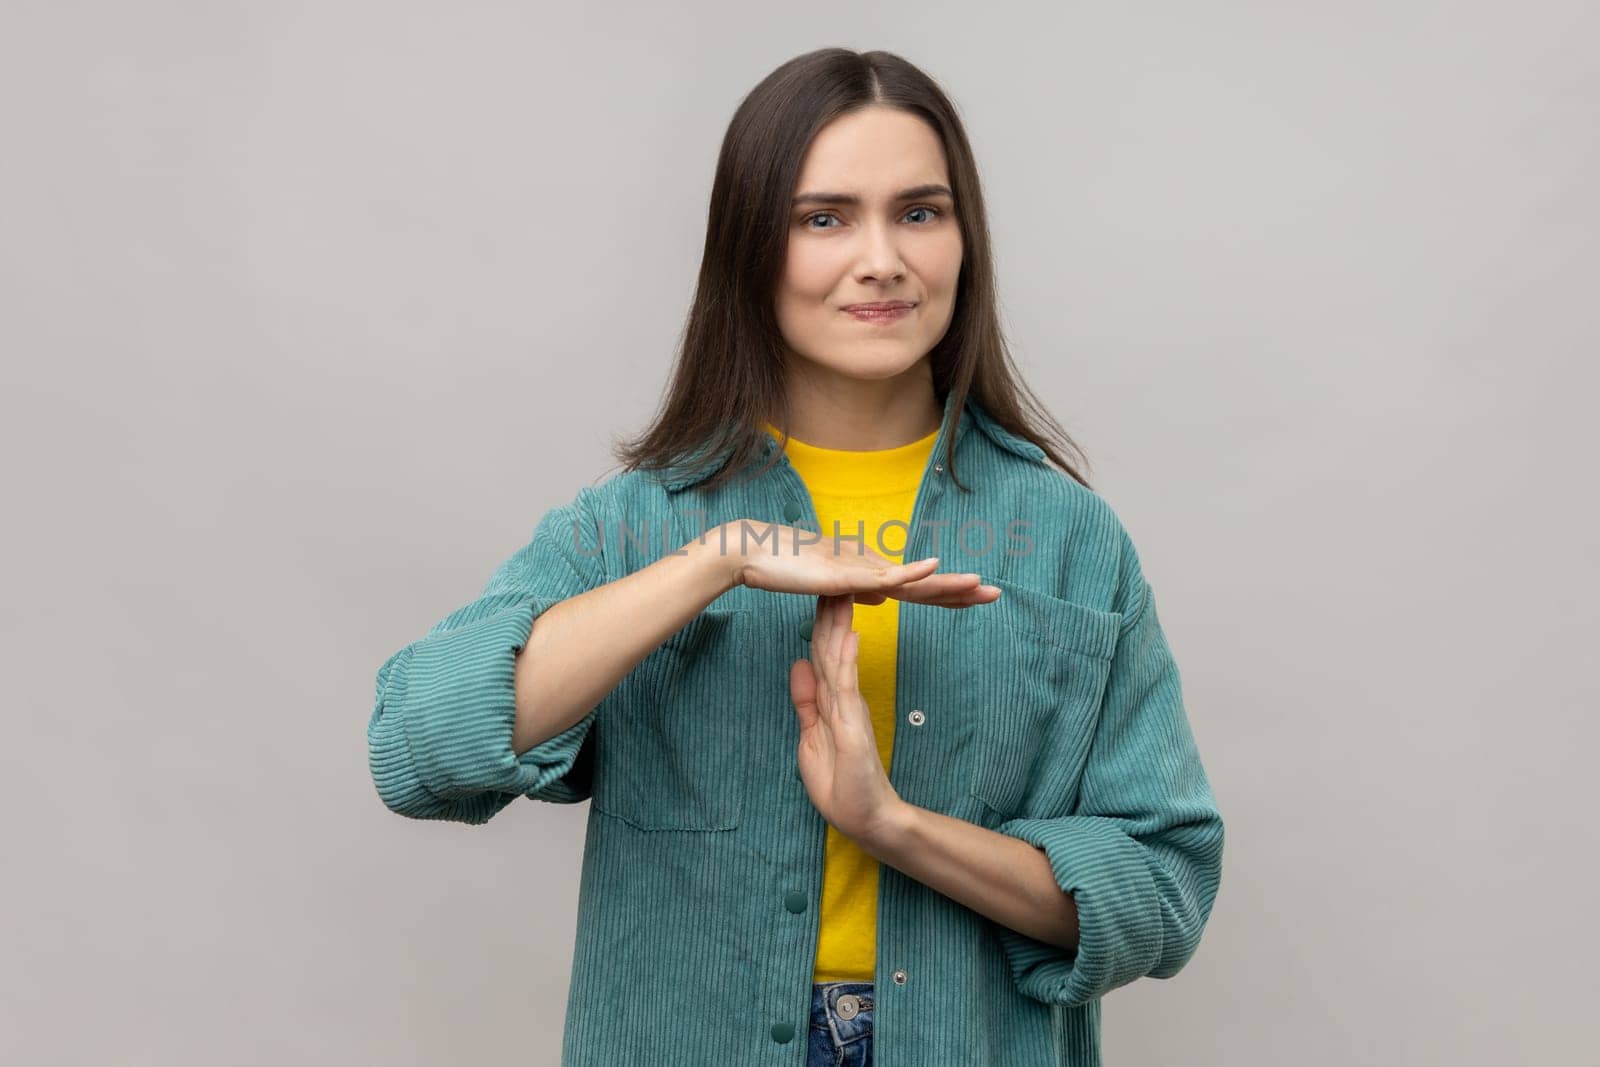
x,y
847,1006
899,978
938,468
916,717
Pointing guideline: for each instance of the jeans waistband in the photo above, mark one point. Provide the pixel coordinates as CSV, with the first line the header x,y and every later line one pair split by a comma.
x,y
855,1022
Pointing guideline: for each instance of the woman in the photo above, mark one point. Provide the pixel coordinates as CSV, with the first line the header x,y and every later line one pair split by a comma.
x,y
878,723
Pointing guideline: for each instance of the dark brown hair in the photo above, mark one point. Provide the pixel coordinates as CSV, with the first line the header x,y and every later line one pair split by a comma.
x,y
728,375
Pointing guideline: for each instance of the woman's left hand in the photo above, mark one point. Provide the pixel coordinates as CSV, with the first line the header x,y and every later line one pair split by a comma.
x,y
838,755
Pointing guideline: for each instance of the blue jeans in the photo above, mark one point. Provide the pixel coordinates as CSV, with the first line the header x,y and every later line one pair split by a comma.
x,y
840,1036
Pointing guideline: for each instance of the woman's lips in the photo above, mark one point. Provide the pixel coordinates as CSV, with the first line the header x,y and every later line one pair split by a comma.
x,y
880,315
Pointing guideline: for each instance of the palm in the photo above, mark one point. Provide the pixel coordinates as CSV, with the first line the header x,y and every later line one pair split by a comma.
x,y
786,559
838,751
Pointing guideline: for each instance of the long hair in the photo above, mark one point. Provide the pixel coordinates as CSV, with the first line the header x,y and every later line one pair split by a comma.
x,y
729,371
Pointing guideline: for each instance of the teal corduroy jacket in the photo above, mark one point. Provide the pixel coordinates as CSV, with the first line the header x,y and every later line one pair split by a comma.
x,y
1054,715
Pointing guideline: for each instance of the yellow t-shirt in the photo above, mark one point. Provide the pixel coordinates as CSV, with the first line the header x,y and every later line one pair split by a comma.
x,y
870,495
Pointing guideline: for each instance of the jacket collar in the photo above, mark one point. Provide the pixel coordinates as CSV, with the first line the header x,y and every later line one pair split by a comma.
x,y
681,475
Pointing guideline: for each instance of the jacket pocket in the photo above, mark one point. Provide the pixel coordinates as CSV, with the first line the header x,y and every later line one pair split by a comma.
x,y
672,751
1039,673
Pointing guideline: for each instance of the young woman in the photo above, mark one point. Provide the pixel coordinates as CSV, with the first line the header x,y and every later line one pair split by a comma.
x,y
885,747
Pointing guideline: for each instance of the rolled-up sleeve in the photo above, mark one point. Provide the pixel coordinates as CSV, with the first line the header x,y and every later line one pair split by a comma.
x,y
1141,852
439,738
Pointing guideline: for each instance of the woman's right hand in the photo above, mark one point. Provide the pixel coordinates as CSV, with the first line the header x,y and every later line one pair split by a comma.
x,y
786,559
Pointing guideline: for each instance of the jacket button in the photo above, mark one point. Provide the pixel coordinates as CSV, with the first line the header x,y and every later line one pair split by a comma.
x,y
795,901
899,978
792,510
805,628
783,1033
916,717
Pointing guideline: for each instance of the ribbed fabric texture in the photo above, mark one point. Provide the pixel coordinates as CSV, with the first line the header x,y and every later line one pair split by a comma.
x,y
1054,715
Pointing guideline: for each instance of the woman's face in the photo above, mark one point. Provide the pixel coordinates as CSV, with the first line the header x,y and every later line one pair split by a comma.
x,y
877,233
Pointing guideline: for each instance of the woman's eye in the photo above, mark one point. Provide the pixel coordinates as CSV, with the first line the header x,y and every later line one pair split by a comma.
x,y
932,212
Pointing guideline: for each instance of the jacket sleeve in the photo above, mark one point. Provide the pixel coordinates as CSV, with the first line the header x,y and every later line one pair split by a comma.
x,y
1141,852
439,738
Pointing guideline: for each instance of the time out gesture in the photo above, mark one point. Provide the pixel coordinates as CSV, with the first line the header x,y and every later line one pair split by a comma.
x,y
838,753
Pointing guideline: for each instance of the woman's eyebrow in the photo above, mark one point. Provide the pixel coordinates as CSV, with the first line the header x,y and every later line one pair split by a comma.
x,y
851,200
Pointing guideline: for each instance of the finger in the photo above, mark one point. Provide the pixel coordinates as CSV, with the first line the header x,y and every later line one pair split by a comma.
x,y
941,583
821,629
938,585
901,573
838,634
847,618
983,594
851,653
803,691
839,615
883,575
954,603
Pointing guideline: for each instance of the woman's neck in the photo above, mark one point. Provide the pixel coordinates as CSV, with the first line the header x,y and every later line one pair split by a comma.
x,y
864,416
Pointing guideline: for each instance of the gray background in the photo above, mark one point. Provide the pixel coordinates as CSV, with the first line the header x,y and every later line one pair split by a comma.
x,y
311,310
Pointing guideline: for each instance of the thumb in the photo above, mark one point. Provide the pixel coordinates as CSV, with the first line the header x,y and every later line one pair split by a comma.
x,y
803,691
